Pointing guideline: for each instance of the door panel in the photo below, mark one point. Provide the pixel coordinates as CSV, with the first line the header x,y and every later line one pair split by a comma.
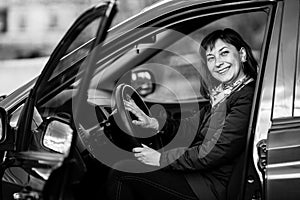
x,y
283,162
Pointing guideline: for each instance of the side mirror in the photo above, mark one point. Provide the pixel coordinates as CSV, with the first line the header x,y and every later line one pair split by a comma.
x,y
2,97
58,135
143,82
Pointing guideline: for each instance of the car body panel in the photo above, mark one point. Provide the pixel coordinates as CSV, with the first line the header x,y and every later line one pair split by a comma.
x,y
283,159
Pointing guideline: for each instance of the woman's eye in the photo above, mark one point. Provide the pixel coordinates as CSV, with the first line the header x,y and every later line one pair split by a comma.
x,y
210,59
224,53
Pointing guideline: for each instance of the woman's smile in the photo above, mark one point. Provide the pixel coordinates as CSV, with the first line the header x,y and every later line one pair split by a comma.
x,y
223,70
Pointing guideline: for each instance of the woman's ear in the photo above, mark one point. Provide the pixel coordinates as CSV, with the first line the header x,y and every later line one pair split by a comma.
x,y
243,55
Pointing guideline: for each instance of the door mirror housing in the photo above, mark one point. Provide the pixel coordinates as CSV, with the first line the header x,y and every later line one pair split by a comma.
x,y
2,97
58,135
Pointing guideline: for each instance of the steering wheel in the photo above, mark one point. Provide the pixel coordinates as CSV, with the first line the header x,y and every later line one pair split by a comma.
x,y
124,118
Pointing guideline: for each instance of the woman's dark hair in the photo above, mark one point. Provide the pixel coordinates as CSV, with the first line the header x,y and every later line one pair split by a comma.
x,y
231,37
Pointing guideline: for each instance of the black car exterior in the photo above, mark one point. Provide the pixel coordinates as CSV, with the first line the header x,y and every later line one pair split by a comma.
x,y
81,77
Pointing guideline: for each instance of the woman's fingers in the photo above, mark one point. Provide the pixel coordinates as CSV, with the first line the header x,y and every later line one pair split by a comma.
x,y
138,123
133,109
138,152
138,155
143,119
147,155
140,159
137,149
128,105
132,104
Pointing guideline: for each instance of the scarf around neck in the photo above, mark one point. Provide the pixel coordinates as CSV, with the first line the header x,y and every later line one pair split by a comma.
x,y
222,91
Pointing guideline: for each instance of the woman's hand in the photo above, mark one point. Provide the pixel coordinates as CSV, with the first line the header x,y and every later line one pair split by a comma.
x,y
147,155
143,120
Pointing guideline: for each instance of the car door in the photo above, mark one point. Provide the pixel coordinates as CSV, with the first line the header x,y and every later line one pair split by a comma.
x,y
42,126
279,121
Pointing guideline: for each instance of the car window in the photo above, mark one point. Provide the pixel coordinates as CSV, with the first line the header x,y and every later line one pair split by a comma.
x,y
65,77
79,48
173,57
54,137
177,68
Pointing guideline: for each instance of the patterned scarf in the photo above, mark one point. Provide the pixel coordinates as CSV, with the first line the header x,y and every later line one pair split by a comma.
x,y
222,91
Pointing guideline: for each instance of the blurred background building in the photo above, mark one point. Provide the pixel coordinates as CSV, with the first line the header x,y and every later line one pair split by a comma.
x,y
30,30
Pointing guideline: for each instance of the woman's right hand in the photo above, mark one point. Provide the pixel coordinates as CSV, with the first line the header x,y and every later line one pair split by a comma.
x,y
143,120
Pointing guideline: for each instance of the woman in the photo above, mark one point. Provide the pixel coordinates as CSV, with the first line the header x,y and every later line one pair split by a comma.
x,y
202,170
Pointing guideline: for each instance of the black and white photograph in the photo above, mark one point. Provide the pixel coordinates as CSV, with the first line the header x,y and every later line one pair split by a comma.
x,y
150,99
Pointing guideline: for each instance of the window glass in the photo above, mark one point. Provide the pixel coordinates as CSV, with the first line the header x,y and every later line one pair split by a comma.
x,y
51,123
177,67
82,46
173,58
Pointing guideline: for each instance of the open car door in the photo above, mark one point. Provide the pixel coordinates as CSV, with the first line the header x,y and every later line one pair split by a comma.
x,y
45,139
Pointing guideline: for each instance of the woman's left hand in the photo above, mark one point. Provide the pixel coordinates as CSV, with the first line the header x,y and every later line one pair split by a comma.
x,y
147,155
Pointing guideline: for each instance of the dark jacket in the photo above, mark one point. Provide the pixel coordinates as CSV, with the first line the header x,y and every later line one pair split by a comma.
x,y
216,137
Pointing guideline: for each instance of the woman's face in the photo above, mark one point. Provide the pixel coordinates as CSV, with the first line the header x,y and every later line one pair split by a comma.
x,y
224,62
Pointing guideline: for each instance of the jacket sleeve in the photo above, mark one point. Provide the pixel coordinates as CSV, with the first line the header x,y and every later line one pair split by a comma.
x,y
224,139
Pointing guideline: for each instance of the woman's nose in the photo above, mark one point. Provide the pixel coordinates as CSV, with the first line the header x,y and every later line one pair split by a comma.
x,y
219,62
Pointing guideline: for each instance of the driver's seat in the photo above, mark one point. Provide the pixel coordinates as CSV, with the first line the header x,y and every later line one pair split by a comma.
x,y
238,180
235,181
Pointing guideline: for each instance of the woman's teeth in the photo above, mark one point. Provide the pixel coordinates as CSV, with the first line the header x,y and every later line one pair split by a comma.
x,y
222,71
